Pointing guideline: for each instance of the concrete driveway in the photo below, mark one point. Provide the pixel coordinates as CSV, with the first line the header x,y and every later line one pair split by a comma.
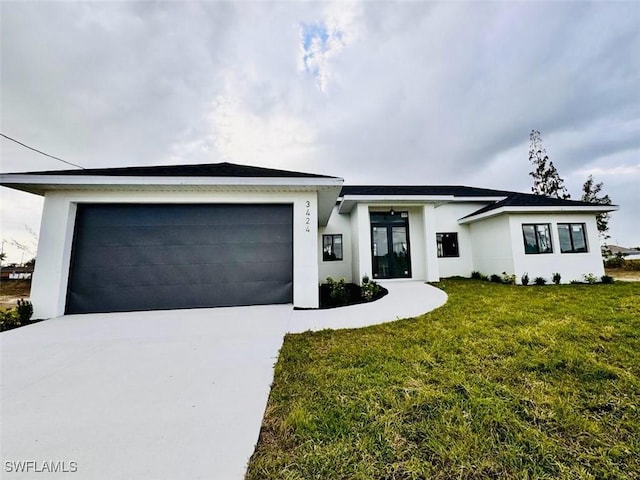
x,y
156,395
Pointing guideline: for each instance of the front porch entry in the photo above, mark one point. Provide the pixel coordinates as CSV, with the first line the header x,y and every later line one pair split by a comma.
x,y
390,251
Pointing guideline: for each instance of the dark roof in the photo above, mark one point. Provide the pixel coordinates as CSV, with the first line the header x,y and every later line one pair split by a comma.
x,y
203,170
455,190
513,199
531,200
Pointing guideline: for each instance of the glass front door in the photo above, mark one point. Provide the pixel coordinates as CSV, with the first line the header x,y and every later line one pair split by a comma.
x,y
390,245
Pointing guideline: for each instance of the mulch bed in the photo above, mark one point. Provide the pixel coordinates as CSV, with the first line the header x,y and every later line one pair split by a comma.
x,y
354,296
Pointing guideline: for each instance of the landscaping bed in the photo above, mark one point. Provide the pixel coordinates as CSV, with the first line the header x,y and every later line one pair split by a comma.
x,y
501,382
15,308
353,295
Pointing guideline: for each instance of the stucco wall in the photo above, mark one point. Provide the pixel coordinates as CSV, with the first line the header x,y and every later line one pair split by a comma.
x,y
50,278
491,246
498,246
571,266
417,243
360,242
338,224
447,216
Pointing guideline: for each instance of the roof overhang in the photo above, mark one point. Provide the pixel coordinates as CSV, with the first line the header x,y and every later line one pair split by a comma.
x,y
539,209
327,188
347,202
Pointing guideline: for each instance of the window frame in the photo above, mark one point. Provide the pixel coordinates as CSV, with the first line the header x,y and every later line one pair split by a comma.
x,y
537,238
326,257
439,237
584,237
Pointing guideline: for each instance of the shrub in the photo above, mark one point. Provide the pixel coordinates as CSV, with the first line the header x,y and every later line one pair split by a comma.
x,y
369,289
525,278
338,290
556,278
590,278
9,319
615,262
479,276
496,278
606,279
540,281
24,310
508,279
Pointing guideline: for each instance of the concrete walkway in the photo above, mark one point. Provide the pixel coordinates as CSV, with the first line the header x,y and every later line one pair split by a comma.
x,y
174,394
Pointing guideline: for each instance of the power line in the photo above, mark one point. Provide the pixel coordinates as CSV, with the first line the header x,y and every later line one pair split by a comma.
x,y
36,150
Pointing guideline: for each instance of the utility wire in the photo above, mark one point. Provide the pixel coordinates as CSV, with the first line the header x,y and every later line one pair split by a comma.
x,y
36,150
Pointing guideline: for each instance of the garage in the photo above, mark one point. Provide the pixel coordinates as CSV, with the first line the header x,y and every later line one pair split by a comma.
x,y
128,257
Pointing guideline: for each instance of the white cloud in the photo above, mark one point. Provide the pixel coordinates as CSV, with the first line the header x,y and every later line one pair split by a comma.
x,y
408,92
275,138
323,40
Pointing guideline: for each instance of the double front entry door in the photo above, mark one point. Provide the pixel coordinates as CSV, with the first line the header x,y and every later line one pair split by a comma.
x,y
390,245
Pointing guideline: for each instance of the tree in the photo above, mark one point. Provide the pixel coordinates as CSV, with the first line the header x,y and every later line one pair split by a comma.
x,y
546,180
591,193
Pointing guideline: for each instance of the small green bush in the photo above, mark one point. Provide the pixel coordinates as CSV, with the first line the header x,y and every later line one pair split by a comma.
x,y
615,262
338,290
496,278
556,278
524,278
9,319
606,279
369,289
508,279
24,310
590,278
540,281
476,275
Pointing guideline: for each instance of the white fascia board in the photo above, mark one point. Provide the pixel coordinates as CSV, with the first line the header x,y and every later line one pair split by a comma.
x,y
479,199
395,198
347,202
75,180
548,209
328,188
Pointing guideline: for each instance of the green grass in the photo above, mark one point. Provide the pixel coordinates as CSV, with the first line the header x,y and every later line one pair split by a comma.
x,y
501,382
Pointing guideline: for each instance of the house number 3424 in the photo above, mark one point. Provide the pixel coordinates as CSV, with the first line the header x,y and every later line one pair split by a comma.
x,y
307,216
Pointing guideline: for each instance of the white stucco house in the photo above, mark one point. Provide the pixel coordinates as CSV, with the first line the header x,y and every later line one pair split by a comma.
x,y
149,238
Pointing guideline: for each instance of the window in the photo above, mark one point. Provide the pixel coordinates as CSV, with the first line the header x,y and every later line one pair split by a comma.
x,y
331,247
537,238
447,244
572,237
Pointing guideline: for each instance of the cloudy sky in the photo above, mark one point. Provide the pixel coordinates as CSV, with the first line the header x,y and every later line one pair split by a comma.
x,y
374,92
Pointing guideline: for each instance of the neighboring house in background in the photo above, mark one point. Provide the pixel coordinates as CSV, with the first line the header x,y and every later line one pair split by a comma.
x,y
14,272
149,238
628,253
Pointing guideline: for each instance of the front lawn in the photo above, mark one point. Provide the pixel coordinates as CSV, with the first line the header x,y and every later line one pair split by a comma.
x,y
503,381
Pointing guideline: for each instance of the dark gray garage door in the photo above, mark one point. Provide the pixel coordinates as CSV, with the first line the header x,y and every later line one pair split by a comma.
x,y
154,257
